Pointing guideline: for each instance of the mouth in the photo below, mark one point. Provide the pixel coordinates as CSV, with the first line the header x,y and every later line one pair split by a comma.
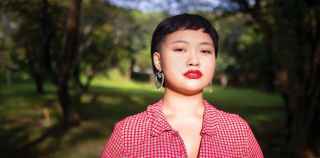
x,y
193,74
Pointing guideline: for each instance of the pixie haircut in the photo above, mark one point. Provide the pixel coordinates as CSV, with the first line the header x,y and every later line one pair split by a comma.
x,y
181,22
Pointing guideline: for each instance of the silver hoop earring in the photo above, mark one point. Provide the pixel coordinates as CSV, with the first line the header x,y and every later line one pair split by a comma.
x,y
159,79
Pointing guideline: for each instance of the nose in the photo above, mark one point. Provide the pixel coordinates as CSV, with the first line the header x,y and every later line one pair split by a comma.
x,y
193,59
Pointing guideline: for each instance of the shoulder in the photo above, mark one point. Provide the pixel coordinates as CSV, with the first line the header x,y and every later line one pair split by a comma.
x,y
134,128
234,132
134,122
234,121
229,123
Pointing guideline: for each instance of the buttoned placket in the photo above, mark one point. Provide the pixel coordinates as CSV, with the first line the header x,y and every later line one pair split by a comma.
x,y
185,155
181,143
198,155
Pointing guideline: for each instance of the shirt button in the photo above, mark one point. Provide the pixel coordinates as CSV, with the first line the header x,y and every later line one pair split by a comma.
x,y
175,133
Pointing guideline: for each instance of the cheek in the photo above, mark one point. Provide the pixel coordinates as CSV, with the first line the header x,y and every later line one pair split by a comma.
x,y
173,64
209,67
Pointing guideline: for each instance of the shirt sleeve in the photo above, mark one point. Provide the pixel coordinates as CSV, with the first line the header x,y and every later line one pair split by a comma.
x,y
115,144
253,149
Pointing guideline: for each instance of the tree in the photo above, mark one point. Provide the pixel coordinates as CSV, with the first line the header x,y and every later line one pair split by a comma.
x,y
291,31
69,59
303,37
42,42
69,56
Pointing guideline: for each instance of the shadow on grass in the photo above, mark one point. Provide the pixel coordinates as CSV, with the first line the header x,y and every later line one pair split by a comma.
x,y
11,139
104,107
114,104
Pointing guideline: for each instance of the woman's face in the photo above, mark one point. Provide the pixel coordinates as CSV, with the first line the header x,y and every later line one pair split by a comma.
x,y
187,58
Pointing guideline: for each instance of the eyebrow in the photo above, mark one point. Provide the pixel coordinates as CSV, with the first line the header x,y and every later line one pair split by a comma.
x,y
180,41
206,43
186,42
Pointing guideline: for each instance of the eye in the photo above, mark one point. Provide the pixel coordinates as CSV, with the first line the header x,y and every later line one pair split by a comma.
x,y
179,50
206,51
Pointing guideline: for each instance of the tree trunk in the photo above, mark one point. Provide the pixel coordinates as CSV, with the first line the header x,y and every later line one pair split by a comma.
x,y
39,83
68,61
65,102
34,68
46,39
131,68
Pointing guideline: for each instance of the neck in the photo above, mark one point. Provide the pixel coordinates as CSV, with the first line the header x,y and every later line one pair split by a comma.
x,y
178,104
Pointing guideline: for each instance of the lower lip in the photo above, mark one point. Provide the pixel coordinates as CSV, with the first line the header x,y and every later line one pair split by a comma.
x,y
193,75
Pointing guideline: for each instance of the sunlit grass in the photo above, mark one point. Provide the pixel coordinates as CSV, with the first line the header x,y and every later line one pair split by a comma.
x,y
244,97
123,84
228,96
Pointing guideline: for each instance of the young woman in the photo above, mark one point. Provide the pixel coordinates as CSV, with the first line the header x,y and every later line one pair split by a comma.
x,y
182,123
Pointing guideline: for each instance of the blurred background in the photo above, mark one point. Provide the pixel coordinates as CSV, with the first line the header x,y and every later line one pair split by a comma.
x,y
69,69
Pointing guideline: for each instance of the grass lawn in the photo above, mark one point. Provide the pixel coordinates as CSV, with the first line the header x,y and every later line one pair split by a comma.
x,y
22,116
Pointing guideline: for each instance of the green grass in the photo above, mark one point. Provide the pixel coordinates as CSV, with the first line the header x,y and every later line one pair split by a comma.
x,y
21,114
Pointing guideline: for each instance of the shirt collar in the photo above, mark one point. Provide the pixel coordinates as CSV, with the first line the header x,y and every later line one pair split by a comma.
x,y
160,124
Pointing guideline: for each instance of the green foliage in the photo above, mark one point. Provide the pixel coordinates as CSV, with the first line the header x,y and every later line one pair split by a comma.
x,y
110,37
115,36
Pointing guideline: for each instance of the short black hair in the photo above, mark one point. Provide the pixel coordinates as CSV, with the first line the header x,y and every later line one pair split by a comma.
x,y
181,22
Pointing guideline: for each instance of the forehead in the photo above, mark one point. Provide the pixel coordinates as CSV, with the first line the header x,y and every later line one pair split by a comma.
x,y
188,35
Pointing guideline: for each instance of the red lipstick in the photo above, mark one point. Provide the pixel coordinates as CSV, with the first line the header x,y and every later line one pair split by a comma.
x,y
193,74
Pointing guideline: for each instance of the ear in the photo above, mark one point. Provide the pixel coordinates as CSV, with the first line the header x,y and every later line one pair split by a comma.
x,y
156,60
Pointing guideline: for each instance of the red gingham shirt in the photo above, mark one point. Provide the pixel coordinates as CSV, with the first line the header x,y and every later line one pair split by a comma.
x,y
148,134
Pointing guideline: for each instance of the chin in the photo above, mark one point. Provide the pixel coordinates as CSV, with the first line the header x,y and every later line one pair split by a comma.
x,y
194,86
190,92
187,87
190,89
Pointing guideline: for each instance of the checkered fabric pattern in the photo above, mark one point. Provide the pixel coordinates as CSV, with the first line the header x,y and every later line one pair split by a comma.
x,y
149,135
